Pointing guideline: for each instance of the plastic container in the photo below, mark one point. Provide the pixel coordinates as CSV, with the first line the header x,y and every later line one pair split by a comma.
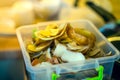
x,y
45,73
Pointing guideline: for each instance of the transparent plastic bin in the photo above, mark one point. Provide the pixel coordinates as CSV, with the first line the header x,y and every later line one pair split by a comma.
x,y
44,73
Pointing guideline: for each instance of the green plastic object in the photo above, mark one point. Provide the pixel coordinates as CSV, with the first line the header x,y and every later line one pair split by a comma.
x,y
55,76
100,70
33,33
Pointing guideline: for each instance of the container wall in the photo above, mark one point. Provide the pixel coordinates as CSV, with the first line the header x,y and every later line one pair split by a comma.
x,y
108,67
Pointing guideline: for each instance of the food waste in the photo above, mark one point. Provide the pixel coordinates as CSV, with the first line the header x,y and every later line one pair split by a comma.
x,y
62,43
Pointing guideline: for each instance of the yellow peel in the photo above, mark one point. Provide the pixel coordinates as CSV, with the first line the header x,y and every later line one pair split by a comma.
x,y
78,38
33,48
60,31
52,26
54,32
45,33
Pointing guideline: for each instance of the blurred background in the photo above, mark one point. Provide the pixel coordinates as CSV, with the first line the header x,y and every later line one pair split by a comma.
x,y
104,14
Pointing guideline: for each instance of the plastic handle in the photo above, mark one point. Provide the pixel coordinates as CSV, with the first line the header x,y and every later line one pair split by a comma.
x,y
100,70
100,74
55,76
80,66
